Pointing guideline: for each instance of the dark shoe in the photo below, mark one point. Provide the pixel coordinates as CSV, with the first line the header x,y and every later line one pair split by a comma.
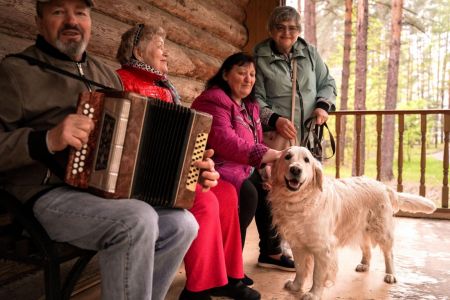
x,y
188,295
284,263
236,290
247,281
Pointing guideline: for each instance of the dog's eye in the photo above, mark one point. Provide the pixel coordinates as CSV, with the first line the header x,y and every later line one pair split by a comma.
x,y
288,156
306,160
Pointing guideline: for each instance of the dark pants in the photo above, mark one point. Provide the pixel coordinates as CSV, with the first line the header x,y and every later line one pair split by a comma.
x,y
253,202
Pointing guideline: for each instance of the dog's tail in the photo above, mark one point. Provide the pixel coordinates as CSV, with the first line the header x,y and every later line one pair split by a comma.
x,y
415,203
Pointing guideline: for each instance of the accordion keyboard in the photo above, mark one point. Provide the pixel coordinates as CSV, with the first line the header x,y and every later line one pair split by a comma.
x,y
199,149
78,162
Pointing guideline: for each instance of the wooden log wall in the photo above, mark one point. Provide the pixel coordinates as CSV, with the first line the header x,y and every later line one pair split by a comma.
x,y
200,33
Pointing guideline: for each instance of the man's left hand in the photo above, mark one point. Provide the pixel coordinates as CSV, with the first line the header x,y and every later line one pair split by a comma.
x,y
208,175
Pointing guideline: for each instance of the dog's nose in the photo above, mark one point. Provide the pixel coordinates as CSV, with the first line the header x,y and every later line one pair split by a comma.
x,y
295,170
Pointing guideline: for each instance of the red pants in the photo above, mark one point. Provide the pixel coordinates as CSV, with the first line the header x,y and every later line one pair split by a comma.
x,y
216,252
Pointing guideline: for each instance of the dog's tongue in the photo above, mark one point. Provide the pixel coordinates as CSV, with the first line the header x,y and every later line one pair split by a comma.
x,y
293,182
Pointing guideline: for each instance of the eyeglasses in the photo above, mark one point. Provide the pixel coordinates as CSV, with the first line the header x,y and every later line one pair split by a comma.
x,y
290,29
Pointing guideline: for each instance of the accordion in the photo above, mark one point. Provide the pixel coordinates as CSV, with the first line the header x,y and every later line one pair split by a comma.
x,y
140,148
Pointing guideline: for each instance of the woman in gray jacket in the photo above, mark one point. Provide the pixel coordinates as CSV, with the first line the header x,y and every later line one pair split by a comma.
x,y
316,90
315,95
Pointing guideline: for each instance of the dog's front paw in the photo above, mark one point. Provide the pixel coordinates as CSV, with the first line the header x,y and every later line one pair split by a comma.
x,y
390,278
362,268
309,296
291,286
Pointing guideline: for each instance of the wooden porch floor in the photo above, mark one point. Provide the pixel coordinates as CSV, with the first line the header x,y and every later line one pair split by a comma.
x,y
422,261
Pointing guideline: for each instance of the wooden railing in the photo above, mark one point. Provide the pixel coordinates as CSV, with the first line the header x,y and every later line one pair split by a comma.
x,y
360,116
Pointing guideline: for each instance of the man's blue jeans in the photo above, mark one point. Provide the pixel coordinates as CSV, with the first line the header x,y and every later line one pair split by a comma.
x,y
140,247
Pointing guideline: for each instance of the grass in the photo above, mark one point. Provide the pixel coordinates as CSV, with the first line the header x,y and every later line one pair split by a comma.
x,y
411,171
411,166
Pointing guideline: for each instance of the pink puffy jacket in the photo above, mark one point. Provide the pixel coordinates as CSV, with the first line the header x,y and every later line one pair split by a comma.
x,y
235,138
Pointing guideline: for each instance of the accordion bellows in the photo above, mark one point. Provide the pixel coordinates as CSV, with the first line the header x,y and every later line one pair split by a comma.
x,y
140,148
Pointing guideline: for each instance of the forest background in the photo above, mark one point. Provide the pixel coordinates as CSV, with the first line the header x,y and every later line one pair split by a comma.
x,y
423,75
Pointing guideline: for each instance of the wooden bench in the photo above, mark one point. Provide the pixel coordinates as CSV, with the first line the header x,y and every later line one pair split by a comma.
x,y
24,240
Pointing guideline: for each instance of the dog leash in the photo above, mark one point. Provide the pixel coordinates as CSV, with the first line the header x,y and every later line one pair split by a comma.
x,y
314,137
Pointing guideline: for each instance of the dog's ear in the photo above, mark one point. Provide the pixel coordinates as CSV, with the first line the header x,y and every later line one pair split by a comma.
x,y
318,174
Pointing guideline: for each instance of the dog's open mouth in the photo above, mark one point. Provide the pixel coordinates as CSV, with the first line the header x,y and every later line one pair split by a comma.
x,y
293,184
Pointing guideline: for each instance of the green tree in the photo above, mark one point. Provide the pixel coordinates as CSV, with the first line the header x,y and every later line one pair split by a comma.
x,y
387,155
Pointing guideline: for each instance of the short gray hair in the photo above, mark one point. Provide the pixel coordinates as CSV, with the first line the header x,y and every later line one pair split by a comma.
x,y
283,14
137,36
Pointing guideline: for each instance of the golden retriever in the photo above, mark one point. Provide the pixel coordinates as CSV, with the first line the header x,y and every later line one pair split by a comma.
x,y
316,215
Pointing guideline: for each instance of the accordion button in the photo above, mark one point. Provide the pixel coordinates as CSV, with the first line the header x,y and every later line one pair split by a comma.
x,y
74,172
91,116
91,109
81,163
84,151
78,153
86,105
82,157
80,169
85,146
85,112
76,159
75,165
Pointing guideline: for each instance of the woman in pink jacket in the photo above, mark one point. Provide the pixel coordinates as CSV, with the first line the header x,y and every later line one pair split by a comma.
x,y
236,137
213,263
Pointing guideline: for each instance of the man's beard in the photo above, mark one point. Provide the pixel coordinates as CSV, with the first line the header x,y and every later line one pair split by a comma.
x,y
72,49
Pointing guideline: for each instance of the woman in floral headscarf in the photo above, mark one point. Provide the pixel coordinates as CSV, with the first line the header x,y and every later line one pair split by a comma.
x,y
213,263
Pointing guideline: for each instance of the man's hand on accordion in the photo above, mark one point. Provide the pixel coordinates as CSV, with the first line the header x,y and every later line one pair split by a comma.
x,y
73,131
208,175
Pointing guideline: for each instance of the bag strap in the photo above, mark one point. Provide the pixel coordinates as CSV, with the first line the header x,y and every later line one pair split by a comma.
x,y
314,136
34,61
294,88
293,94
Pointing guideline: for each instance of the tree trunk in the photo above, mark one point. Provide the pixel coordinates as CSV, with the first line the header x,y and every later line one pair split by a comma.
x,y
387,144
345,73
431,94
448,94
310,22
444,72
422,69
439,39
410,73
442,95
360,82
415,73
